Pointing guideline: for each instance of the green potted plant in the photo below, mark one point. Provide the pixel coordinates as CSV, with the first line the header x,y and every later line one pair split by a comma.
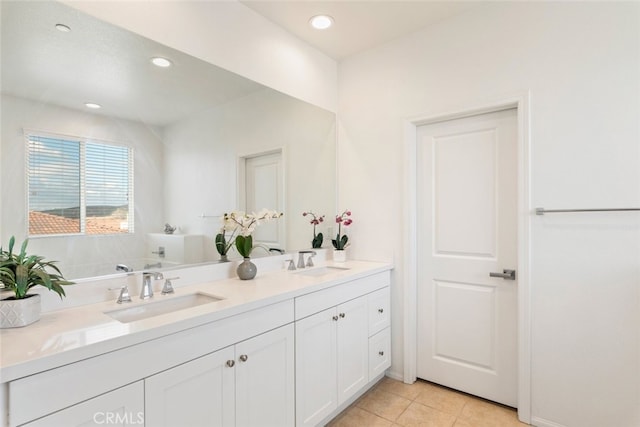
x,y
341,241
316,242
223,244
19,273
244,224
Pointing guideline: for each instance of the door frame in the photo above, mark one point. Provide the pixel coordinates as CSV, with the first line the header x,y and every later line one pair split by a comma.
x,y
521,104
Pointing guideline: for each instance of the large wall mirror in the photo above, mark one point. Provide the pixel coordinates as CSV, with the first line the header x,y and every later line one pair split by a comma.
x,y
193,131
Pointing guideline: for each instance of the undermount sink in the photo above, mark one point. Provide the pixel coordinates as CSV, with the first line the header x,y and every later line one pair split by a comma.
x,y
151,309
321,271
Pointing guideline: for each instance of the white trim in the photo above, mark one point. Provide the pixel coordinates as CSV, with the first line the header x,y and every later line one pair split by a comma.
x,y
521,103
541,422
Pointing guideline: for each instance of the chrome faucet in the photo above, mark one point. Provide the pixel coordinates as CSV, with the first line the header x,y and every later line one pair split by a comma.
x,y
122,267
301,258
124,294
147,289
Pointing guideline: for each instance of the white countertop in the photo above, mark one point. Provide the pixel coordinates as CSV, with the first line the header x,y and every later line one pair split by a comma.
x,y
69,335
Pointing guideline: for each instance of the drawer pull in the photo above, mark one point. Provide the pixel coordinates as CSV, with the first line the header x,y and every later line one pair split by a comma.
x,y
380,310
244,358
342,315
335,318
381,353
231,363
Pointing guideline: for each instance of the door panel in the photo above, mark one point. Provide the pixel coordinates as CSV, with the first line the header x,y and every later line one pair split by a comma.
x,y
197,393
316,367
353,347
265,379
467,206
264,184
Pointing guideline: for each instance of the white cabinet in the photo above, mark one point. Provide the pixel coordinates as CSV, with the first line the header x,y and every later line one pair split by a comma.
x,y
197,393
316,367
265,388
248,384
353,347
120,407
331,359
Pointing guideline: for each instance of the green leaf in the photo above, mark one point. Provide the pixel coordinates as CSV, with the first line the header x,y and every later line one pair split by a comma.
x,y
221,244
12,241
244,244
317,241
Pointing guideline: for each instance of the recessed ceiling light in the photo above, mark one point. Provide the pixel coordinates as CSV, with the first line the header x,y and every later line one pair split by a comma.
x,y
92,105
158,61
63,28
321,22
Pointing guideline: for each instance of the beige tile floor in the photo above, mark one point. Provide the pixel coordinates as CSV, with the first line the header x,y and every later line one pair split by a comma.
x,y
423,404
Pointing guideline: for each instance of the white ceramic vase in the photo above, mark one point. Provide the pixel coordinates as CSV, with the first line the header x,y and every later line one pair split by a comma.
x,y
15,313
339,255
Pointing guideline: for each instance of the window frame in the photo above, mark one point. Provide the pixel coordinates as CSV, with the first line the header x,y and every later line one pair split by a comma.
x,y
82,141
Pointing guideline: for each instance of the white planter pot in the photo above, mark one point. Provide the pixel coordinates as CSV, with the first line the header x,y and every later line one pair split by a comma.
x,y
339,256
15,313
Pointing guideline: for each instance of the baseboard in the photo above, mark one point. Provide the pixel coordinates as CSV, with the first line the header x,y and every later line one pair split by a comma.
x,y
395,375
541,422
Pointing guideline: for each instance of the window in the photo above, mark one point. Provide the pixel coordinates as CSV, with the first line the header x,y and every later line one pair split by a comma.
x,y
78,186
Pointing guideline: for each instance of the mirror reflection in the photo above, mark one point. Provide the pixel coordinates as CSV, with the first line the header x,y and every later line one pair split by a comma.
x,y
180,145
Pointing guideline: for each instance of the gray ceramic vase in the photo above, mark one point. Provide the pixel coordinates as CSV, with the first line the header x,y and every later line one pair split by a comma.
x,y
247,270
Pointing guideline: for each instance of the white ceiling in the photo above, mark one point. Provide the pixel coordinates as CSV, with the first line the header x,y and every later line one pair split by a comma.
x,y
359,25
98,62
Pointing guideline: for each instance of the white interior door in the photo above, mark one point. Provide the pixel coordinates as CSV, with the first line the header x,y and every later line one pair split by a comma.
x,y
467,228
264,188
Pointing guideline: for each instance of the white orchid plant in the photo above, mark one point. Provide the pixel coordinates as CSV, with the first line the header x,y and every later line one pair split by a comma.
x,y
241,225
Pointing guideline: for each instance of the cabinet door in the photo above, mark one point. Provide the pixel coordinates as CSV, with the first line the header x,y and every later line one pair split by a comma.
x,y
121,407
353,347
316,371
379,313
265,379
379,353
198,393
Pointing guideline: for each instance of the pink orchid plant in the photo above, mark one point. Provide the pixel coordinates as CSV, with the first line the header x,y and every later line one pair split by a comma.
x,y
315,220
340,242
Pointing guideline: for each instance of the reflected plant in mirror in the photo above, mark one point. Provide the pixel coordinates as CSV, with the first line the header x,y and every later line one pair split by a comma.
x,y
316,220
183,129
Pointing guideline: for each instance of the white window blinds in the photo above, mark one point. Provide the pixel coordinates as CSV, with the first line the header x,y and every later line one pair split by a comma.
x,y
79,187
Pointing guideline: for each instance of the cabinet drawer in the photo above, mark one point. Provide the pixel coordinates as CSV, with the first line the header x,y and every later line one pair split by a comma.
x,y
379,310
315,302
379,353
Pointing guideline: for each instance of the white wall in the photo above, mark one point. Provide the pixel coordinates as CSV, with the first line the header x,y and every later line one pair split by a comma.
x,y
229,35
79,254
581,64
201,159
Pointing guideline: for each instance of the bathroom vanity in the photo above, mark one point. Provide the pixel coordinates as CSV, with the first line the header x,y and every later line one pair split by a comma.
x,y
284,349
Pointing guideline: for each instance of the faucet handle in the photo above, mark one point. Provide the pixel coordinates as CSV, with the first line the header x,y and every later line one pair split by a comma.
x,y
168,287
124,294
310,259
292,264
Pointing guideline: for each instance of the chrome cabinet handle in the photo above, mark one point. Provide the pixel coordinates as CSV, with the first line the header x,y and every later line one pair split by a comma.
x,y
342,315
244,358
231,363
335,318
506,274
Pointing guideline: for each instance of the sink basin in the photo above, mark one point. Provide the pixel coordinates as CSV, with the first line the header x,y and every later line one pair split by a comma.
x,y
151,309
321,271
